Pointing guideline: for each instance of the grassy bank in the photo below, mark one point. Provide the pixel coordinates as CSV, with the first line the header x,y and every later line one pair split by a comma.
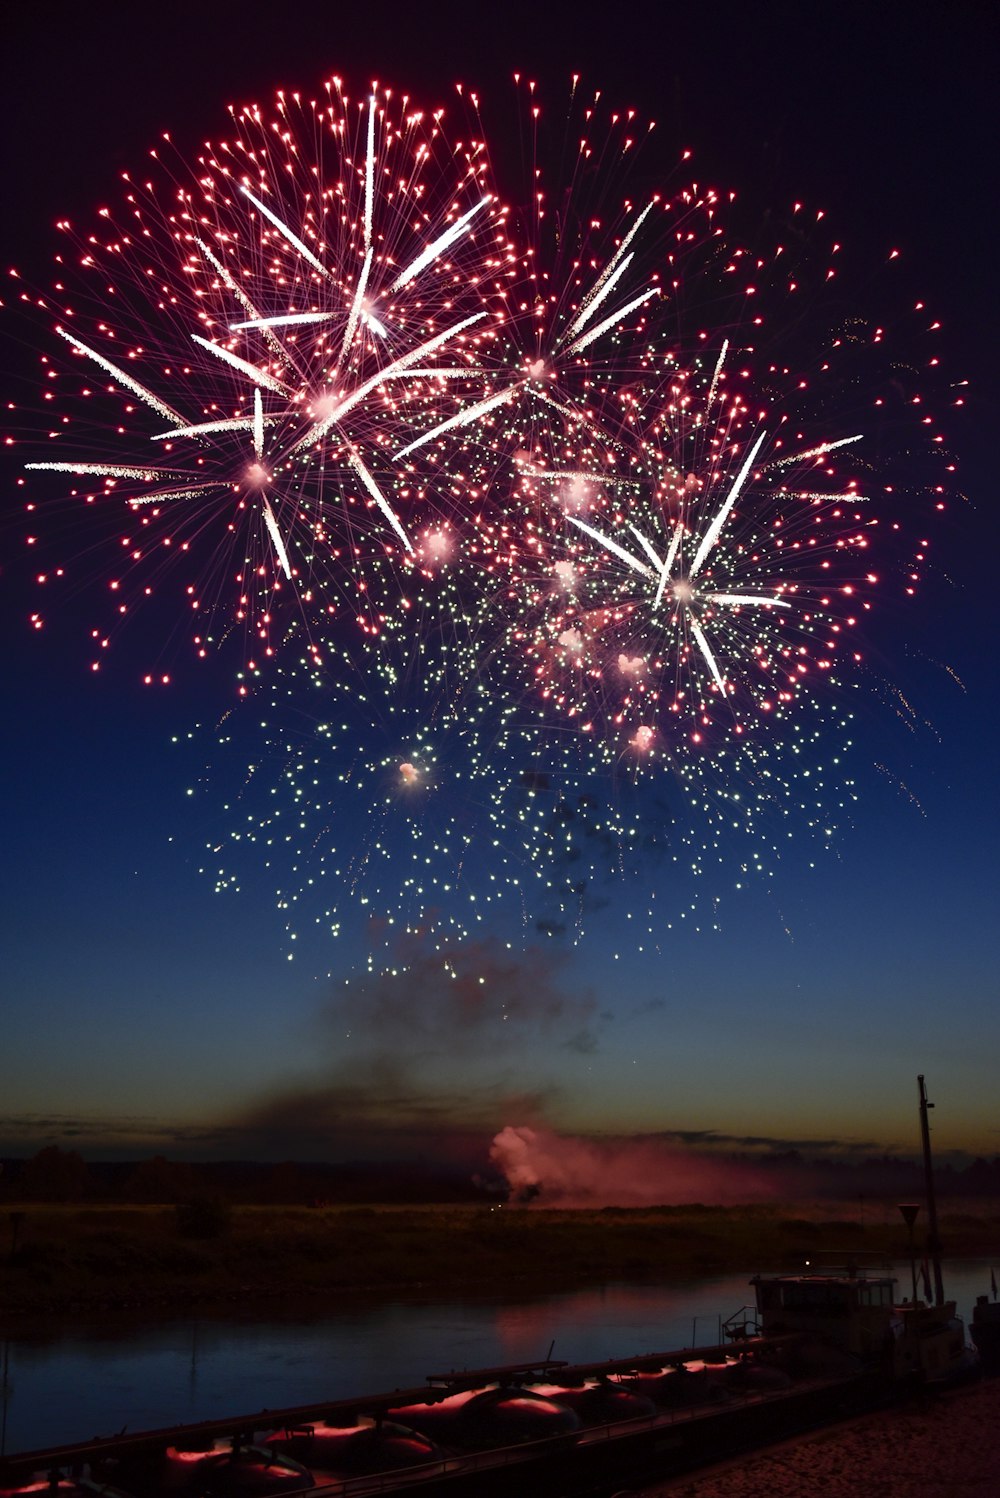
x,y
78,1260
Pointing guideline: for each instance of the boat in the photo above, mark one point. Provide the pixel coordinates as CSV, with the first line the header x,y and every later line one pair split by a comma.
x,y
528,1429
852,1316
852,1312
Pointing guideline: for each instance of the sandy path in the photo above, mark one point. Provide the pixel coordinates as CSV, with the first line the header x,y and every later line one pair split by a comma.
x,y
939,1446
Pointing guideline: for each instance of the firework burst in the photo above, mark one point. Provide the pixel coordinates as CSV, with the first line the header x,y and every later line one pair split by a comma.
x,y
244,348
569,520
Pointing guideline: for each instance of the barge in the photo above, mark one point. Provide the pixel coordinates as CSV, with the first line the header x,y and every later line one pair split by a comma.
x,y
814,1348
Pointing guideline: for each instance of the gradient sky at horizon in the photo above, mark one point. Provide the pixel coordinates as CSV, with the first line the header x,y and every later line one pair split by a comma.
x,y
141,1013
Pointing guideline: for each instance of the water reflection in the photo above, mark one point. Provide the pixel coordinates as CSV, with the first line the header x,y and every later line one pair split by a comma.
x,y
94,1379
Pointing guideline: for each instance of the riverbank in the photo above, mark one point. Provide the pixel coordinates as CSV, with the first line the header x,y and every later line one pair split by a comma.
x,y
934,1446
78,1260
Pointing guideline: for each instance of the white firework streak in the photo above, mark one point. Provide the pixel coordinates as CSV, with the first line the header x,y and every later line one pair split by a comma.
x,y
283,229
400,367
647,547
189,491
851,498
462,419
257,321
279,545
718,370
147,396
817,452
612,546
352,320
580,475
705,649
595,298
287,320
441,372
437,246
490,403
663,567
710,537
206,428
258,376
610,322
380,499
258,425
751,598
370,173
107,470
549,400
672,550
377,327
610,273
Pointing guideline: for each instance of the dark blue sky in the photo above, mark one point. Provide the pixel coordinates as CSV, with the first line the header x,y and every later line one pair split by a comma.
x,y
141,1011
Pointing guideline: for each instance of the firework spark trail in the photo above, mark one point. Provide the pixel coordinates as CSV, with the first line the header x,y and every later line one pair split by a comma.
x,y
233,286
438,246
356,306
275,534
243,366
817,452
612,546
462,418
608,278
110,470
258,425
380,499
152,401
716,373
396,370
210,428
282,228
711,536
586,339
369,180
703,646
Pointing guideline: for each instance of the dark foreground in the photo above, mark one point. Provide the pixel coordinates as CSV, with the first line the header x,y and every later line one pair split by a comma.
x,y
944,1445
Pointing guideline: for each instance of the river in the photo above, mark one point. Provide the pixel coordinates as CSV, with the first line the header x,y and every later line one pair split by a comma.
x,y
96,1378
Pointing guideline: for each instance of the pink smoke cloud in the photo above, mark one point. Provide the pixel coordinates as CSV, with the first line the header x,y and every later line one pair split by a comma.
x,y
569,1172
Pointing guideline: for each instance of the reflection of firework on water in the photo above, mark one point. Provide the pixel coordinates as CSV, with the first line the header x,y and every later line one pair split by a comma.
x,y
583,507
245,344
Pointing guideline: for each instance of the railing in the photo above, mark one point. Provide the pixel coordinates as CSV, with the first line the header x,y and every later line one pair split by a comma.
x,y
741,1324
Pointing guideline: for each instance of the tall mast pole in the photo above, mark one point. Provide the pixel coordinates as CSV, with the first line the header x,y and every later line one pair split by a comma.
x,y
933,1240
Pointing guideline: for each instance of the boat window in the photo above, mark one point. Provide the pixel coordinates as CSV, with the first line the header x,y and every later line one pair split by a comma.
x,y
822,1299
768,1297
875,1293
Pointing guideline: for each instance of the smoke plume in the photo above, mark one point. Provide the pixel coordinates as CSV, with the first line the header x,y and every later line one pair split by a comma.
x,y
556,1170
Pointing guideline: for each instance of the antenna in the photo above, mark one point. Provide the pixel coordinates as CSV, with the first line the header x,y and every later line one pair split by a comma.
x,y
933,1237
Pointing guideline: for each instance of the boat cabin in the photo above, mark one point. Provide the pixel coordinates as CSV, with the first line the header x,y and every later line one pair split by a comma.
x,y
857,1311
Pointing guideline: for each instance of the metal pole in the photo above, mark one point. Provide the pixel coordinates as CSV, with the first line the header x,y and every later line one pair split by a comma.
x,y
909,1211
6,1395
933,1238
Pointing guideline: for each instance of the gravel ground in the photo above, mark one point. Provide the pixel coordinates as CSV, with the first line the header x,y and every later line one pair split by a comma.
x,y
939,1446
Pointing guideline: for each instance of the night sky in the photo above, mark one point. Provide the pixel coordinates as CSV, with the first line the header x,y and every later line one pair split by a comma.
x,y
144,1013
